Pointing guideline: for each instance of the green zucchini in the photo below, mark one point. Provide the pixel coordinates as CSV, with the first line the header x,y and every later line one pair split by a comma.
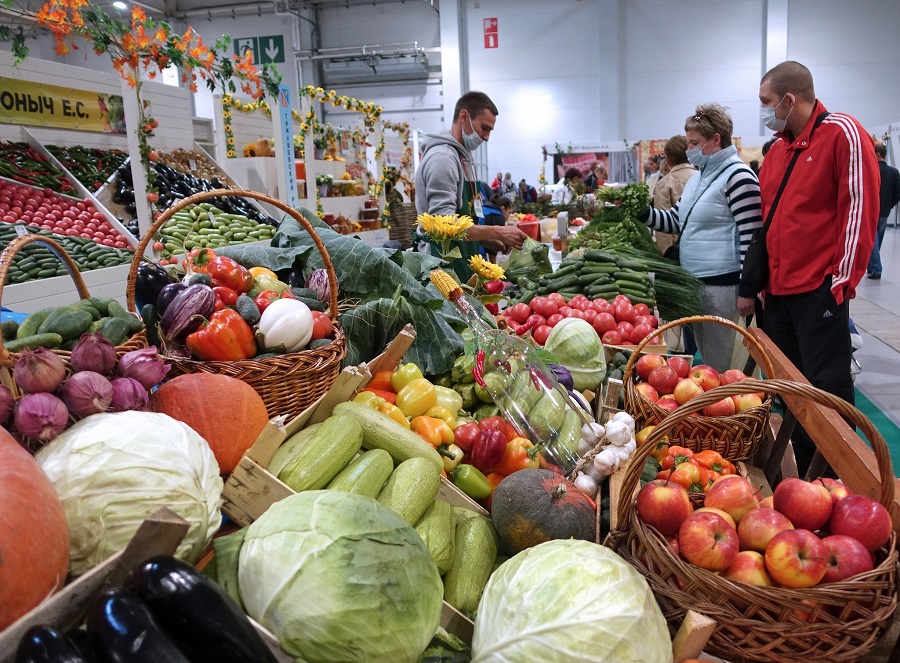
x,y
48,341
289,448
474,551
329,450
411,489
365,475
437,529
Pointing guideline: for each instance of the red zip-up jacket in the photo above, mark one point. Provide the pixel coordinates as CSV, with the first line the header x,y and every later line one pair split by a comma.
x,y
826,219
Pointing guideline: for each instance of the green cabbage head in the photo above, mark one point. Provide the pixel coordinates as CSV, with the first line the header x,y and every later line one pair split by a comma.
x,y
340,578
567,600
575,343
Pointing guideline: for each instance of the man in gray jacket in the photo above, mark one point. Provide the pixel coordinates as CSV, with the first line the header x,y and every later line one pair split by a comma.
x,y
446,183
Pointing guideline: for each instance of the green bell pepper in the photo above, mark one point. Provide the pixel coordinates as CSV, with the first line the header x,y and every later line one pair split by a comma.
x,y
471,481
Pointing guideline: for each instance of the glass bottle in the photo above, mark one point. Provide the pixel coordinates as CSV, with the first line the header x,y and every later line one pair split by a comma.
x,y
521,385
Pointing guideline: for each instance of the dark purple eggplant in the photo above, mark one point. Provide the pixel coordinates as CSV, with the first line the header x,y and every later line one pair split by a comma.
x,y
187,311
151,279
166,295
199,616
44,644
562,375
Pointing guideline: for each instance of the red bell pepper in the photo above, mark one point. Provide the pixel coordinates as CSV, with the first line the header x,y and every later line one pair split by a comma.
x,y
489,449
389,396
224,337
229,273
224,297
266,297
466,436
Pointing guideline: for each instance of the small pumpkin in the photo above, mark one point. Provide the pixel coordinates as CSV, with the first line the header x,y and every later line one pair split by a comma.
x,y
263,148
533,506
224,411
34,537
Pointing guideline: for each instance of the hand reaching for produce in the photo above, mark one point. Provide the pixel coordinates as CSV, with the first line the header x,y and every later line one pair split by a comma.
x,y
511,236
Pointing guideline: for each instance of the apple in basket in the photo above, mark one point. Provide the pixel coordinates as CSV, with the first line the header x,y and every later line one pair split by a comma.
x,y
864,519
718,512
806,504
796,558
647,390
837,489
758,527
749,567
736,496
663,378
707,541
669,404
706,376
685,390
722,408
681,365
732,375
746,401
664,506
647,363
846,557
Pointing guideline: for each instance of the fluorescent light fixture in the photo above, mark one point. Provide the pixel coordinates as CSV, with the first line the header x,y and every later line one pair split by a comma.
x,y
120,5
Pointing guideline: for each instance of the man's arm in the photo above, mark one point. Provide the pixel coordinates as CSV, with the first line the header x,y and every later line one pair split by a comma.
x,y
510,236
440,174
896,177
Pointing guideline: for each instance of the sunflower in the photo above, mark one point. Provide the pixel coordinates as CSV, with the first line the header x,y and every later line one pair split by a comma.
x,y
485,269
445,228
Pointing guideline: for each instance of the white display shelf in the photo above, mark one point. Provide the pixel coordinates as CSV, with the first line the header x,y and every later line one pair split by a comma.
x,y
348,206
60,290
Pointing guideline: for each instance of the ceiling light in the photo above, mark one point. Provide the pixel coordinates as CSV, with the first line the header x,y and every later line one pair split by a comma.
x,y
119,5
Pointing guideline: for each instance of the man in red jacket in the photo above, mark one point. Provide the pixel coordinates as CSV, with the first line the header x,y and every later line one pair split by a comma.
x,y
821,234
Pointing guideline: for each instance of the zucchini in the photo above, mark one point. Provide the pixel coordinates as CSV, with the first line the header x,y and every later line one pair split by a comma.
x,y
411,489
329,450
598,255
437,529
365,475
461,514
382,432
289,448
474,551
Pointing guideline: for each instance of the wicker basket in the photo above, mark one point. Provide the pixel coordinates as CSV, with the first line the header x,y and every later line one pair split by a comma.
x,y
287,383
838,622
8,359
403,220
736,437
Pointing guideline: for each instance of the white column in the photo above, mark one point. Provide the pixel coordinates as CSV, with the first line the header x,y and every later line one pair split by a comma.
x,y
139,177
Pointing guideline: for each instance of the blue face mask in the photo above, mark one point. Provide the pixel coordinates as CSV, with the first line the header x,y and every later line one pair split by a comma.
x,y
696,157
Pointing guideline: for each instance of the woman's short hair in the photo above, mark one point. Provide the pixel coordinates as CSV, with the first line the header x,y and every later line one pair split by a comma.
x,y
573,173
500,202
711,119
675,150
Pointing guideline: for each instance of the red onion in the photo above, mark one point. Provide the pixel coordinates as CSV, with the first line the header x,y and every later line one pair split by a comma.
x,y
7,403
93,353
129,394
39,370
41,416
87,393
145,366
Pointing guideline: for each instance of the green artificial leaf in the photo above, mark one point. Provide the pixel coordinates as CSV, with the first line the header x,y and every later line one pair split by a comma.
x,y
454,254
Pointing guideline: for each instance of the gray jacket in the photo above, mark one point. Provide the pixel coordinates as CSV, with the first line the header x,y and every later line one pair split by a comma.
x,y
440,177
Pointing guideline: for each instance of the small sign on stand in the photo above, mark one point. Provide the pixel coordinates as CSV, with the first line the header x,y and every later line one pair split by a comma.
x,y
282,128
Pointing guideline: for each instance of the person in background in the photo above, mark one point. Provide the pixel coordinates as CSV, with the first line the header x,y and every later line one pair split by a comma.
x,y
596,178
508,187
652,175
768,146
564,188
890,196
754,166
527,193
716,216
495,185
496,213
668,189
446,180
822,232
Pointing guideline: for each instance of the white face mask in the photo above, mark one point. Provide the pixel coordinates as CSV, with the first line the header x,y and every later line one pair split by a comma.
x,y
472,141
768,117
696,157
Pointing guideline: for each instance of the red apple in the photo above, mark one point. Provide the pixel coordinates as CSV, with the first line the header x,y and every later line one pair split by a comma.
x,y
706,540
732,375
669,404
758,527
796,558
761,394
646,390
767,502
749,567
664,506
846,557
722,408
681,365
722,514
746,401
663,378
864,519
686,390
647,363
837,489
736,497
807,505
706,376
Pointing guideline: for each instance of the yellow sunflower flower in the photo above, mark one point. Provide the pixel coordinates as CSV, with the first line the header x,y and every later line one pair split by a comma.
x,y
486,270
445,228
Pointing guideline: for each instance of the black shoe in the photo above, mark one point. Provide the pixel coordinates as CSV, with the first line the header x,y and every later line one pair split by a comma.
x,y
874,277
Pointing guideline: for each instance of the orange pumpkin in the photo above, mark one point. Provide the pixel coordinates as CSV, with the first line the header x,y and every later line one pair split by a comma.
x,y
225,411
34,537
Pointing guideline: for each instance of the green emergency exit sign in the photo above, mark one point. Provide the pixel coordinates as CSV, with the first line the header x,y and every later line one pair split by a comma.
x,y
265,49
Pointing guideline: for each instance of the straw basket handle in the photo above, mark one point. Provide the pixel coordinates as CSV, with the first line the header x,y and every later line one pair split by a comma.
x,y
217,193
783,387
6,260
769,368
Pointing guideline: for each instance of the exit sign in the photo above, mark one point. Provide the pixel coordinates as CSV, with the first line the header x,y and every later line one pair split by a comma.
x,y
265,49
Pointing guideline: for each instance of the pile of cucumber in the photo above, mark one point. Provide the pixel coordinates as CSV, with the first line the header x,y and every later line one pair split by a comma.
x,y
35,261
62,326
206,226
595,274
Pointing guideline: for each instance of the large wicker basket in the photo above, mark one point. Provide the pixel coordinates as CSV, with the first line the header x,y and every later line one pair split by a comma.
x,y
287,383
838,622
736,437
403,220
8,359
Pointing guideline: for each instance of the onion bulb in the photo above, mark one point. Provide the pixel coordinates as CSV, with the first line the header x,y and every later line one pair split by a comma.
x,y
7,403
39,370
41,416
129,394
94,353
87,393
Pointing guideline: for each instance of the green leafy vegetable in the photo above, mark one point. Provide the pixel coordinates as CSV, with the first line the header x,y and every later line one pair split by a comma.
x,y
532,260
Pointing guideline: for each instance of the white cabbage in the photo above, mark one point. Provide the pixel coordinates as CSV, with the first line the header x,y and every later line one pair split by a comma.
x,y
113,470
575,343
565,601
340,578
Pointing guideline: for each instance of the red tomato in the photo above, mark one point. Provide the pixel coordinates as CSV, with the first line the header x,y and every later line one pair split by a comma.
x,y
535,320
603,306
625,328
621,298
581,304
554,319
577,301
645,320
590,314
577,313
625,312
120,244
544,306
540,334
640,332
322,327
557,299
642,309
519,312
612,337
565,311
604,322
493,423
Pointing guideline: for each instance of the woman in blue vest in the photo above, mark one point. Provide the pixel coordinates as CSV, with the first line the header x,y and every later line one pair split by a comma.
x,y
715,218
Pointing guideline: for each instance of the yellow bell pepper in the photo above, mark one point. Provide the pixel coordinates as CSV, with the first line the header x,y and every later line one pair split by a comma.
x,y
259,271
369,398
451,455
405,374
440,412
434,431
394,413
449,398
416,397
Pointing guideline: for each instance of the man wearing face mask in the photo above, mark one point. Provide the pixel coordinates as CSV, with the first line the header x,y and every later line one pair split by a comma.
x,y
714,219
822,230
446,183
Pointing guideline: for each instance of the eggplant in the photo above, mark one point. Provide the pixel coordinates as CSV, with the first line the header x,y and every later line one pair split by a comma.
x,y
166,295
44,644
562,375
197,614
122,630
82,642
187,311
151,279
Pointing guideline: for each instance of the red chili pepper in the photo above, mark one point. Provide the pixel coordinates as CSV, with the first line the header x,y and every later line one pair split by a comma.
x,y
478,370
488,449
492,307
493,287
524,329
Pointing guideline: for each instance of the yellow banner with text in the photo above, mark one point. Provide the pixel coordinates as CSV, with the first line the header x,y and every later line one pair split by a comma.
x,y
39,105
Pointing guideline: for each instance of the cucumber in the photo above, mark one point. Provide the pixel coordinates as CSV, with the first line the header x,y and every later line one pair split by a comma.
x,y
32,323
247,309
115,330
598,255
553,277
636,265
437,529
365,475
48,341
101,304
411,489
67,321
474,551
289,448
150,318
628,275
306,293
633,285
382,432
329,450
588,278
601,267
9,329
564,282
313,304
